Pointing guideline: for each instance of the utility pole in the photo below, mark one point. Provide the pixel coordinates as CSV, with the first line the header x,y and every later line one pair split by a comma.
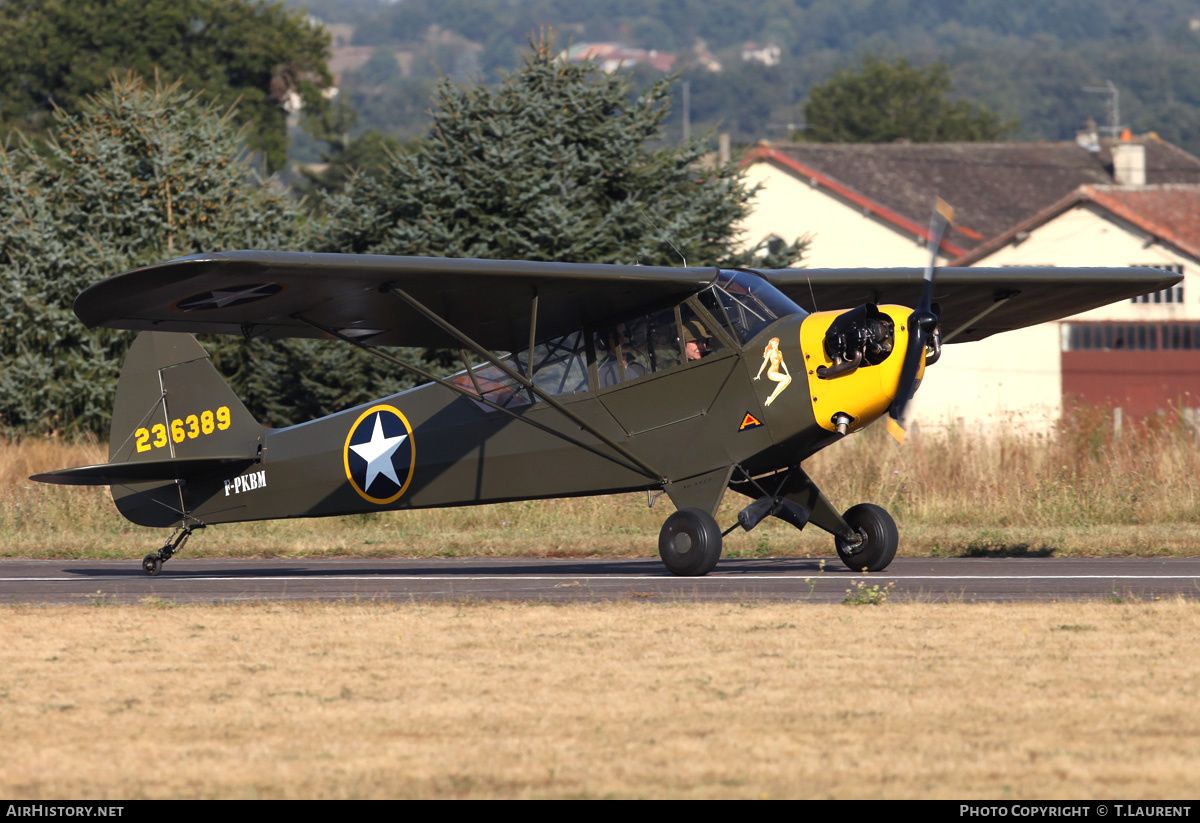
x,y
687,110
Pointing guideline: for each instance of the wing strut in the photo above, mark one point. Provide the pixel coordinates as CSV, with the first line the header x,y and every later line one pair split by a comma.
x,y
1000,301
532,336
637,466
438,321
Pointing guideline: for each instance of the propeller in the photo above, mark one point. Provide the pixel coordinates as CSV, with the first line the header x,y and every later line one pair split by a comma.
x,y
922,324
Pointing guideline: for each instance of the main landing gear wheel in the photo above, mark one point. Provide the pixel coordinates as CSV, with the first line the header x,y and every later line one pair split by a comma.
x,y
690,543
152,564
879,540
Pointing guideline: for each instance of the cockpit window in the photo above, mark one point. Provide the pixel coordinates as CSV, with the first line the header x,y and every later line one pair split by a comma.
x,y
559,367
636,348
493,384
749,302
741,302
699,341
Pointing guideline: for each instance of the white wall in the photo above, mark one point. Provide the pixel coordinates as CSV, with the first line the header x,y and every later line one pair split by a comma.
x,y
1014,380
1011,380
843,235
1090,236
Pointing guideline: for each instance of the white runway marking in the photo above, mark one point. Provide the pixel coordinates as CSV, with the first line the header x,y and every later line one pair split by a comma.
x,y
718,578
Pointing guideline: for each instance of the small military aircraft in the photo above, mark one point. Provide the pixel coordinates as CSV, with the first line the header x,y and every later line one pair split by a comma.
x,y
578,379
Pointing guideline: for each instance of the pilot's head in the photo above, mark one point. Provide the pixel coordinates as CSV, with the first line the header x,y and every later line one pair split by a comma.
x,y
695,339
612,338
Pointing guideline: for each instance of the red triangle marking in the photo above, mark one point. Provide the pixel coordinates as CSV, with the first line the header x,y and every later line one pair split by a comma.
x,y
749,422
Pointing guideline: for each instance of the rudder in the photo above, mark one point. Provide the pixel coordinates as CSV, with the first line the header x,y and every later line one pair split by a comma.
x,y
172,404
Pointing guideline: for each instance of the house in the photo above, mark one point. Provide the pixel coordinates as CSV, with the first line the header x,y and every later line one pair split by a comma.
x,y
614,56
766,53
1088,203
703,57
1141,356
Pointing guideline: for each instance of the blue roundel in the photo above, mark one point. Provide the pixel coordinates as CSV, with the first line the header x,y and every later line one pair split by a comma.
x,y
380,456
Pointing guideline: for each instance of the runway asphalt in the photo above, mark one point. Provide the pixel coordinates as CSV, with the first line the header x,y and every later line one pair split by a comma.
x,y
956,580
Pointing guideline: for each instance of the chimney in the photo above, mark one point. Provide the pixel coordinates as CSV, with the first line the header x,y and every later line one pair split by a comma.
x,y
1129,161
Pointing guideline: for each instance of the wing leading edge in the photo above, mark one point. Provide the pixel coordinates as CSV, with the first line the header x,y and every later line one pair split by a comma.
x,y
969,296
264,293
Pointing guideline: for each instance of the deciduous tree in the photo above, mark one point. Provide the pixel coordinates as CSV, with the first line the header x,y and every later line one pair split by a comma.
x,y
55,53
881,101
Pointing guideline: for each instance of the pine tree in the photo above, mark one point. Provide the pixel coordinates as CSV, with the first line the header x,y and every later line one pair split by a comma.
x,y
556,162
141,175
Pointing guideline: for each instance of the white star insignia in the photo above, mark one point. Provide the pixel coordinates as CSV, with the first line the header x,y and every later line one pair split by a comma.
x,y
220,298
378,453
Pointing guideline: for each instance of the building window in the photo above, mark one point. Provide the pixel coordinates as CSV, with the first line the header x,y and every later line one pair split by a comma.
x,y
1181,336
1172,295
1130,336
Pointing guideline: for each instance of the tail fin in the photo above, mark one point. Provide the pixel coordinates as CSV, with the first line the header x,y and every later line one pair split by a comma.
x,y
178,431
173,404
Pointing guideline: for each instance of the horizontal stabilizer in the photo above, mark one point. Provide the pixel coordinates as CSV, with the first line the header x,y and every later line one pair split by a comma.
x,y
146,471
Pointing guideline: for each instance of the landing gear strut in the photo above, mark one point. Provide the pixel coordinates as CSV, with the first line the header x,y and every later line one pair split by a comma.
x,y
865,536
152,563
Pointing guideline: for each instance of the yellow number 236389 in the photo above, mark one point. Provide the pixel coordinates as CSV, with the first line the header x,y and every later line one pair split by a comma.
x,y
187,428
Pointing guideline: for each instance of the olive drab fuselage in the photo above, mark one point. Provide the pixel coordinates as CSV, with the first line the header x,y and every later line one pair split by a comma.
x,y
689,420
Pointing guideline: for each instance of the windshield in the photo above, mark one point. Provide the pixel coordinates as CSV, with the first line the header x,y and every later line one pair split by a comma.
x,y
751,303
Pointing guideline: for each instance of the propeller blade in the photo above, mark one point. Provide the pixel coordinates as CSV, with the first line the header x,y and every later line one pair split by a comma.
x,y
922,323
939,224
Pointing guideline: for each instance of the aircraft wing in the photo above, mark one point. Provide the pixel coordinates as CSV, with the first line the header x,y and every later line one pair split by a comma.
x,y
264,293
969,296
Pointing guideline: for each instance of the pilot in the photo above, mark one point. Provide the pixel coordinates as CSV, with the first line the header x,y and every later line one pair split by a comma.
x,y
617,340
695,339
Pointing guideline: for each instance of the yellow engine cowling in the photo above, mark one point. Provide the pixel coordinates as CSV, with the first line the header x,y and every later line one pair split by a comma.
x,y
863,394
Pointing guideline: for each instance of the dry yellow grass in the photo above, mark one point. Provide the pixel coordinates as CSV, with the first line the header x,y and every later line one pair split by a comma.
x,y
1082,492
639,699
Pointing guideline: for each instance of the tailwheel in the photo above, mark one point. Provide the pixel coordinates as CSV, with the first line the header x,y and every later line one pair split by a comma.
x,y
690,543
878,538
152,563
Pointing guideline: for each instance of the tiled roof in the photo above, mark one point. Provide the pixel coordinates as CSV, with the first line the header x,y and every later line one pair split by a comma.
x,y
1168,212
992,186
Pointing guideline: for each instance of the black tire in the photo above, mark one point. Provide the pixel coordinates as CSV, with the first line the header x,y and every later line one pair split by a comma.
x,y
690,543
152,564
880,538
